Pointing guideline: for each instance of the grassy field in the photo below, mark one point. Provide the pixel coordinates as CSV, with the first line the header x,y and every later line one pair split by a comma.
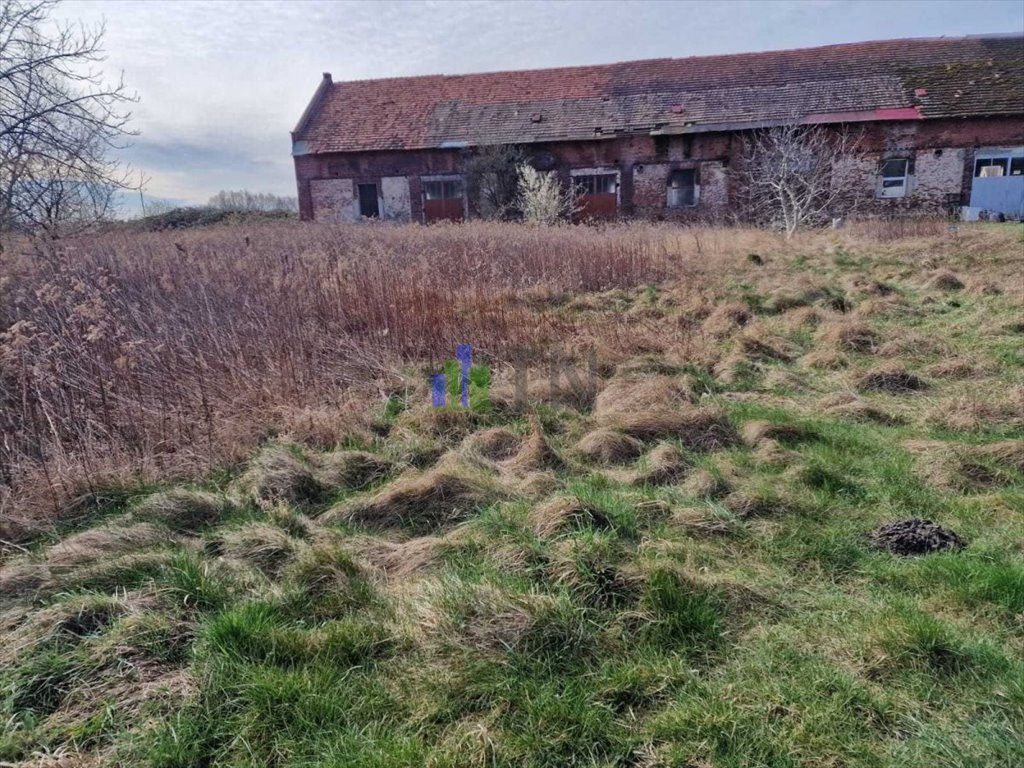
x,y
255,543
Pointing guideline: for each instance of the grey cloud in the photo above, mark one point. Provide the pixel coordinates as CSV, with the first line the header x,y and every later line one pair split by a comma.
x,y
222,83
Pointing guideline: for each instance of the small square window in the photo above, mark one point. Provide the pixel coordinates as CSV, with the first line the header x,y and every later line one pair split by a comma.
x,y
1017,166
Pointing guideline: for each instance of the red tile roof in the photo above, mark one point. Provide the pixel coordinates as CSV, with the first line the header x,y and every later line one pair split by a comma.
x,y
885,80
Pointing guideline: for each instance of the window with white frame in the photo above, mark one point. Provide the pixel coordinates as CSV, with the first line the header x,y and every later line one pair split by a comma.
x,y
894,174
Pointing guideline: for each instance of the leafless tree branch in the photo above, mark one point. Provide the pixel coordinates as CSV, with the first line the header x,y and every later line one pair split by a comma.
x,y
795,175
60,122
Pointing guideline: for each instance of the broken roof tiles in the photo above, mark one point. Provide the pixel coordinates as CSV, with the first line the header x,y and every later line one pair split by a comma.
x,y
974,76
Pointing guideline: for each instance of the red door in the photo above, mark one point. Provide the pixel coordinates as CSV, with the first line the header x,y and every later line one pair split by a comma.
x,y
599,198
600,206
443,201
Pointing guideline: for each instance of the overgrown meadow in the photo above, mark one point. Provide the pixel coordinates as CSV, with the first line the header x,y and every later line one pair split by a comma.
x,y
235,532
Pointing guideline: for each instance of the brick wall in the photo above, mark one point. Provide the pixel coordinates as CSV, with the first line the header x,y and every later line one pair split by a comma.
x,y
942,152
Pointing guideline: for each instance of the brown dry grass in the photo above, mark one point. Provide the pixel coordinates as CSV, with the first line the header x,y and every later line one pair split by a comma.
x,y
726,318
893,378
607,446
968,468
756,432
564,513
664,464
625,395
699,428
944,280
263,546
424,501
849,336
135,354
183,510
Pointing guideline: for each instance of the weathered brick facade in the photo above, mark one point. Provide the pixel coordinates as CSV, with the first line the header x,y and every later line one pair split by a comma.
x,y
664,134
941,155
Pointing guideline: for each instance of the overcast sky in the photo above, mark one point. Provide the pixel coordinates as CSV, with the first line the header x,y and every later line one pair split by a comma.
x,y
222,83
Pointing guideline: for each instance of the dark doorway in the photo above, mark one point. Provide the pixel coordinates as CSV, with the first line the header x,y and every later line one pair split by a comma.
x,y
368,205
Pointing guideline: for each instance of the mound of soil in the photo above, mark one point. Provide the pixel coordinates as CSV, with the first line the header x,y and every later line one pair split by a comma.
x,y
914,537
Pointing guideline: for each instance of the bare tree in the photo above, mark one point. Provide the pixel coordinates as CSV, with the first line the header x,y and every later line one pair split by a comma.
x,y
244,200
492,179
60,121
795,175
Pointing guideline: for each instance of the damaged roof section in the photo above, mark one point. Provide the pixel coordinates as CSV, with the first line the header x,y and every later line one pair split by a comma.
x,y
886,80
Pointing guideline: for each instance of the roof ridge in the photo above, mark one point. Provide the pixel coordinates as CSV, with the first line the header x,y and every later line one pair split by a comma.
x,y
679,59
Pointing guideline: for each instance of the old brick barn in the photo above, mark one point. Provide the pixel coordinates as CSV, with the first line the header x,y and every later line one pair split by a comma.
x,y
942,122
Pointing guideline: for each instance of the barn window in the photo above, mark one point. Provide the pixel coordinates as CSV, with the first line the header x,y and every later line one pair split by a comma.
x,y
596,184
1017,166
448,189
991,166
894,177
661,146
682,188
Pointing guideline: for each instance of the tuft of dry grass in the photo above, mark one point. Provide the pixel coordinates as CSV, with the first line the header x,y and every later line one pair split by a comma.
x,y
628,395
280,473
758,431
944,280
609,446
849,336
565,513
704,484
957,368
664,464
183,510
803,317
493,445
261,545
488,620
399,561
351,470
849,405
699,428
969,468
101,543
968,414
825,359
536,454
891,378
726,318
423,501
22,580
756,343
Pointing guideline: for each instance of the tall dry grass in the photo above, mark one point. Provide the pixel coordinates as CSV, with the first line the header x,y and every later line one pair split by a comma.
x,y
145,352
159,353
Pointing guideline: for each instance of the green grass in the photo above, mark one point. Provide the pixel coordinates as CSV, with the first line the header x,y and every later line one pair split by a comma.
x,y
663,626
